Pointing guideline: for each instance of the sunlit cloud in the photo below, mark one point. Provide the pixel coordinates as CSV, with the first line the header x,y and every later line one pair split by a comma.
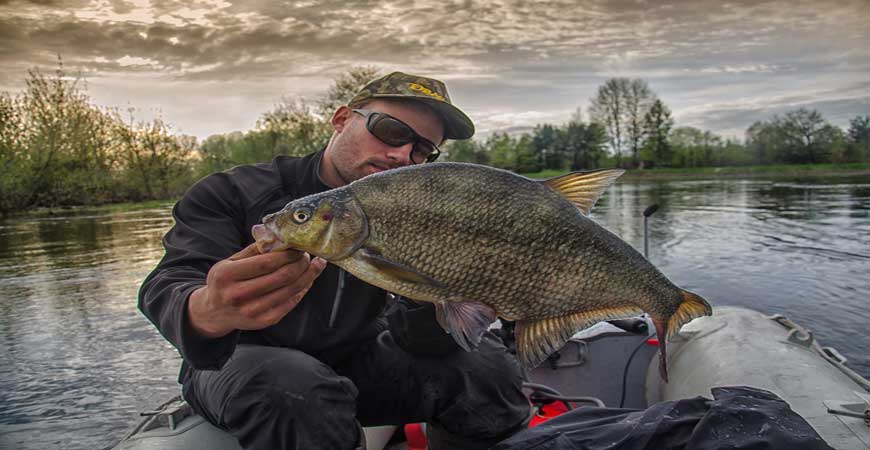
x,y
508,63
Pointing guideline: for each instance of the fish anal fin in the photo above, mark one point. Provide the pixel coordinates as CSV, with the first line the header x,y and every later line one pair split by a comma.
x,y
583,188
538,339
465,321
692,307
396,270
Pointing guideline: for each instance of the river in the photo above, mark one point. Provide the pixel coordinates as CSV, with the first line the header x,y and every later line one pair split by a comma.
x,y
79,361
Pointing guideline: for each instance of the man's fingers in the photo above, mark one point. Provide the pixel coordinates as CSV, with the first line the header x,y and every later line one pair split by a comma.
x,y
283,300
246,252
285,275
259,265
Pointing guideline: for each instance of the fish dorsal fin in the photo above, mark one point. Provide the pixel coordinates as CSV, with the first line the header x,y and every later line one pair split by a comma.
x,y
583,188
396,270
465,321
538,339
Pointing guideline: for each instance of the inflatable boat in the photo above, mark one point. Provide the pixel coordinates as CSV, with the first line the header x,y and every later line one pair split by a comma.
x,y
612,364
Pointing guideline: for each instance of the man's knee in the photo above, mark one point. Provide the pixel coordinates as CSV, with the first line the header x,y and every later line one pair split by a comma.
x,y
489,400
293,382
280,398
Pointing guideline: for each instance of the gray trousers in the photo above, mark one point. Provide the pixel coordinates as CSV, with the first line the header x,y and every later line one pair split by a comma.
x,y
273,398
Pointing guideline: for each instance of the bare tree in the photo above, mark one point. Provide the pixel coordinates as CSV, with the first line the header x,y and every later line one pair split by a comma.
x,y
620,106
638,100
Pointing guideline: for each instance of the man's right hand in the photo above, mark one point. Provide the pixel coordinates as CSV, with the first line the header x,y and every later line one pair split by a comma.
x,y
251,291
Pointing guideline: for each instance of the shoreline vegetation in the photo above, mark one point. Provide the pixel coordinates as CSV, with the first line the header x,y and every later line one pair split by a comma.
x,y
58,149
734,172
789,171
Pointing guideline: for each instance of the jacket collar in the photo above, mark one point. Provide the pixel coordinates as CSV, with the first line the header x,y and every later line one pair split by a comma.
x,y
300,176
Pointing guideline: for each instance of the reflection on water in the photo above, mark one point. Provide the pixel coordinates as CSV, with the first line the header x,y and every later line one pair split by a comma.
x,y
79,361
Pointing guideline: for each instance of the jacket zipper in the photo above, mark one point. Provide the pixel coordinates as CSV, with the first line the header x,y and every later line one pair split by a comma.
x,y
336,303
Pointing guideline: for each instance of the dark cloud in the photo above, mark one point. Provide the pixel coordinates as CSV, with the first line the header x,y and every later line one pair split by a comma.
x,y
734,121
501,58
122,6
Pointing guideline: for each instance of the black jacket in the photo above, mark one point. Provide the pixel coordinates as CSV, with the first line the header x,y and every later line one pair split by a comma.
x,y
213,221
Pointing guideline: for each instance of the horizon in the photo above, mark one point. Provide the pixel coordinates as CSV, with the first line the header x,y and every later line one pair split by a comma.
x,y
214,67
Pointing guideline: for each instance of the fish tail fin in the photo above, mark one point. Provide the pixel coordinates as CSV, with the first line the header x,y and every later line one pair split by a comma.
x,y
692,307
537,339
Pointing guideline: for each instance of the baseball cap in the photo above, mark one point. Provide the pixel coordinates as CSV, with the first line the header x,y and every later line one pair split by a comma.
x,y
427,90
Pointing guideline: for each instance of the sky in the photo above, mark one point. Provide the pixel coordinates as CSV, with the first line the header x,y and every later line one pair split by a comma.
x,y
214,66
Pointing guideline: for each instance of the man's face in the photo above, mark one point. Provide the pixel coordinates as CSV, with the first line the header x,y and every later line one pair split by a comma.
x,y
354,152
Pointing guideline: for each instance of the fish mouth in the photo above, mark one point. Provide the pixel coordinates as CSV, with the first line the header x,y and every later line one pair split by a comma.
x,y
267,239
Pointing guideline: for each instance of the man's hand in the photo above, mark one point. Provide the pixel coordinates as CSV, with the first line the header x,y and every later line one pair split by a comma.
x,y
251,291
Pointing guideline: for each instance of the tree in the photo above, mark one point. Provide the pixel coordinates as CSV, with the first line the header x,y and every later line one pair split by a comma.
x,y
608,109
620,106
657,128
344,87
526,161
544,146
54,145
764,143
293,128
807,136
466,150
583,144
502,151
155,162
693,147
858,138
215,153
638,100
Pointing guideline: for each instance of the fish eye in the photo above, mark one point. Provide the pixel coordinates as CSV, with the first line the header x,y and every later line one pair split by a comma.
x,y
301,215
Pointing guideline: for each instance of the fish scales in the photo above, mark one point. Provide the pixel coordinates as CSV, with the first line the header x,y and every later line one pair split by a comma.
x,y
480,242
520,248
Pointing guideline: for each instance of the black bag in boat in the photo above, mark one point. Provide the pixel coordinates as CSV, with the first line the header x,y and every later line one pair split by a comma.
x,y
737,418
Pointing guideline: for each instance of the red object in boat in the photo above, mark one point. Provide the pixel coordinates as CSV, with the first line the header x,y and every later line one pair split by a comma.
x,y
416,436
547,412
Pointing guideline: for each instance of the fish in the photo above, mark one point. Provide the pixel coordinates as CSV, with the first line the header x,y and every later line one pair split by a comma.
x,y
480,243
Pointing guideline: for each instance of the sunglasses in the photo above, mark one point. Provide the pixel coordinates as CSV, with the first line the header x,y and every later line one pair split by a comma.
x,y
394,132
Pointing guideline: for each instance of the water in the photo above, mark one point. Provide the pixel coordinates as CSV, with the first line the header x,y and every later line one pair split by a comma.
x,y
78,360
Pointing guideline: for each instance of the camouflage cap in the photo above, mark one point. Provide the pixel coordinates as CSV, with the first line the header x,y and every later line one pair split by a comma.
x,y
427,90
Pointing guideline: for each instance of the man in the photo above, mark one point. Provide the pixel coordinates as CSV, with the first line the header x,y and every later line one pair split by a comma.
x,y
285,351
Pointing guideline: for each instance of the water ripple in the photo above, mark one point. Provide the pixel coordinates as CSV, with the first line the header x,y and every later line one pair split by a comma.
x,y
79,360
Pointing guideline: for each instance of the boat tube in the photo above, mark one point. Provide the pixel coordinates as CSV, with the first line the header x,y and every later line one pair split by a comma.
x,y
614,365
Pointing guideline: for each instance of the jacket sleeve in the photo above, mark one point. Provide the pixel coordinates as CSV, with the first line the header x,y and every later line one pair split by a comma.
x,y
208,228
414,328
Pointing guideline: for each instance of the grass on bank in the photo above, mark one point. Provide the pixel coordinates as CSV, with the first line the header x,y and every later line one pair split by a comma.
x,y
85,209
780,170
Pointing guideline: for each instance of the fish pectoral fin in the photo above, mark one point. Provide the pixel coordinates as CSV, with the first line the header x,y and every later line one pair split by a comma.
x,y
465,321
583,188
397,270
538,339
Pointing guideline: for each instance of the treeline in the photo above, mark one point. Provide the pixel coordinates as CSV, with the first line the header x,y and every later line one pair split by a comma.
x,y
630,127
294,126
58,149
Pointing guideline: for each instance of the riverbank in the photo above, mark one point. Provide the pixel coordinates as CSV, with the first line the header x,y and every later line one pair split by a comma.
x,y
771,171
88,209
697,173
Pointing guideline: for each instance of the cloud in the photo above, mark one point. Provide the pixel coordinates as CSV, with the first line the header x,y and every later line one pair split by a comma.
x,y
837,105
499,56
